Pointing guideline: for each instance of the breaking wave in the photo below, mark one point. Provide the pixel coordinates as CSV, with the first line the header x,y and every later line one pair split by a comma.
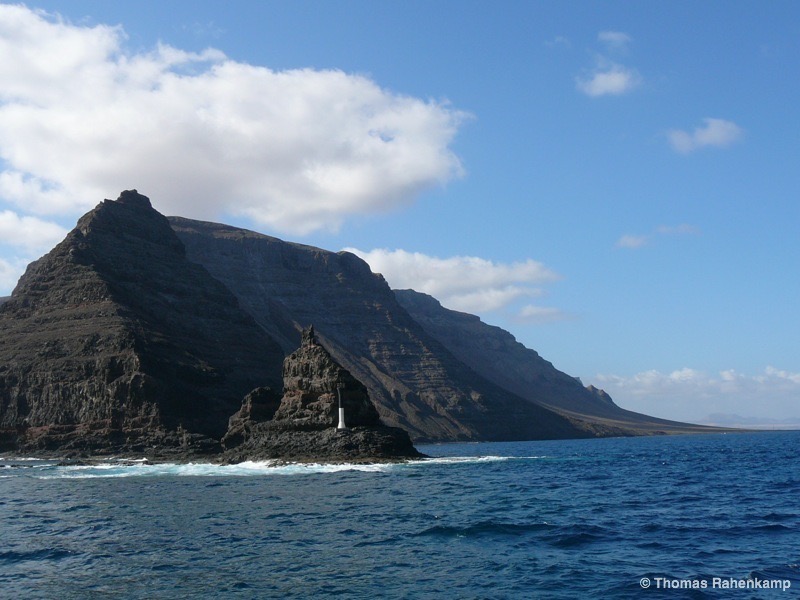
x,y
111,468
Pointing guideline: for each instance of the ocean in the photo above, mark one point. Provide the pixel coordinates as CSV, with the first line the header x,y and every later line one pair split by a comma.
x,y
706,516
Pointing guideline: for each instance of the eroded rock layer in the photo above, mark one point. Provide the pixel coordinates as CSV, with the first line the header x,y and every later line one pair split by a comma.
x,y
415,382
304,425
116,341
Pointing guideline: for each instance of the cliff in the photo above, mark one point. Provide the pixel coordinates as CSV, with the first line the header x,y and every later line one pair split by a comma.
x,y
415,382
496,355
115,341
303,424
142,334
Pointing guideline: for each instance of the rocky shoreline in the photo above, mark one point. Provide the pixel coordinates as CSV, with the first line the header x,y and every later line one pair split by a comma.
x,y
302,425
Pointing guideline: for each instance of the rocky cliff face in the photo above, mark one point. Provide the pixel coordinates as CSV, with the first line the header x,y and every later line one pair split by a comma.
x,y
115,340
139,333
313,383
499,357
414,381
303,424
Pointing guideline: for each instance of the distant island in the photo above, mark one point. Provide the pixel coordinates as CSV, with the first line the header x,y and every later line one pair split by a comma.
x,y
140,334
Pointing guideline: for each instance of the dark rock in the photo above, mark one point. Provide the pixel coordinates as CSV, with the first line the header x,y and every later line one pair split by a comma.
x,y
305,424
496,355
313,383
259,405
114,341
415,382
129,339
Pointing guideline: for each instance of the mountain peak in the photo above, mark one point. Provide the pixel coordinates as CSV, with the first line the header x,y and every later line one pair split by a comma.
x,y
117,333
135,199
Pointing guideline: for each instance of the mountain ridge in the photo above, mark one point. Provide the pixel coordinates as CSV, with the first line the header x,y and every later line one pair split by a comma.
x,y
115,339
415,382
254,266
498,356
143,331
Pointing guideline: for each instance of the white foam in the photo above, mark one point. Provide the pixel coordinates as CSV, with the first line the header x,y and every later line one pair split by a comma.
x,y
473,459
244,469
141,468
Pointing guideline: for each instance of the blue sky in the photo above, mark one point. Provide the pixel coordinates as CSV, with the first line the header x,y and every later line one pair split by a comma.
x,y
616,183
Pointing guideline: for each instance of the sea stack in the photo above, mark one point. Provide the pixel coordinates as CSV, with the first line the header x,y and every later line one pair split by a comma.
x,y
304,424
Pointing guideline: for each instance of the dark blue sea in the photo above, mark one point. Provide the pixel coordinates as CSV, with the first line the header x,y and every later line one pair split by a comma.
x,y
610,518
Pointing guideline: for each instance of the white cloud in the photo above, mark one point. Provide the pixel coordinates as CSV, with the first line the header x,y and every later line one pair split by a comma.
x,y
714,132
541,314
690,394
10,272
633,242
82,118
608,80
465,283
22,239
29,233
614,39
771,373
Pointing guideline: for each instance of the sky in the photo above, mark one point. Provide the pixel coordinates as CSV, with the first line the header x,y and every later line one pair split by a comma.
x,y
615,183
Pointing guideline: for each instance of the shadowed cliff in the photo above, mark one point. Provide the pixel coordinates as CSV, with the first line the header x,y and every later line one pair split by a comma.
x,y
139,333
115,340
496,355
414,381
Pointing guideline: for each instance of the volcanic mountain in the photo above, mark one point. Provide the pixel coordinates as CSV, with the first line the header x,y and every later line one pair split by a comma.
x,y
115,339
139,331
438,373
496,355
415,382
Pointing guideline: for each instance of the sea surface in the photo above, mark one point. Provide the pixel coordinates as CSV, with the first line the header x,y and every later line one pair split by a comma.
x,y
608,518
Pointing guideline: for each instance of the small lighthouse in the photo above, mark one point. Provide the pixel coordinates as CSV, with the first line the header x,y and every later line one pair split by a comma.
x,y
341,425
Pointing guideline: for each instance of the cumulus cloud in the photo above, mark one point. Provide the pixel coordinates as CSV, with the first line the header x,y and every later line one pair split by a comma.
x,y
610,79
632,242
713,132
82,118
691,394
29,233
10,272
614,39
465,283
532,313
23,238
607,77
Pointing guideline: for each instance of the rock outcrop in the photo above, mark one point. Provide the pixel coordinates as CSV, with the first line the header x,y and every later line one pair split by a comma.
x,y
115,341
303,425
